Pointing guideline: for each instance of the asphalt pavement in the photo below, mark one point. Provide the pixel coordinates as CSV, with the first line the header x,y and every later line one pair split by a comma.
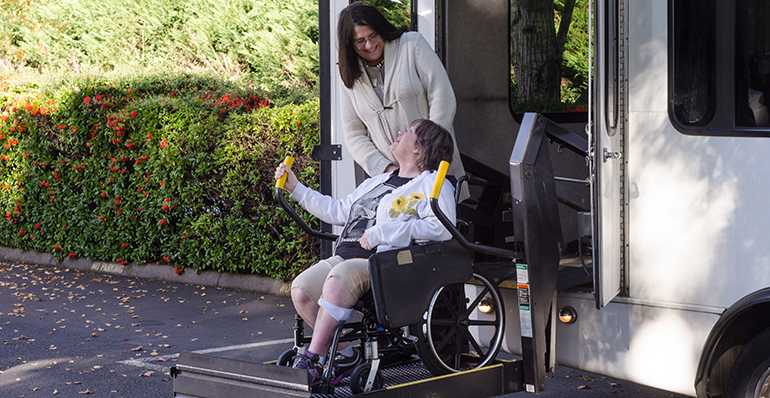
x,y
100,329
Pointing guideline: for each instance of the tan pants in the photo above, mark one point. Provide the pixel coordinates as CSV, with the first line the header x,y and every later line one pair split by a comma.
x,y
353,273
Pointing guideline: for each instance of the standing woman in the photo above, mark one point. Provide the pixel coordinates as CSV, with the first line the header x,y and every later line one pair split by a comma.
x,y
390,78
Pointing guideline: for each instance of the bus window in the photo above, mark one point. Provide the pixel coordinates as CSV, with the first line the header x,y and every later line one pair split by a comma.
x,y
549,59
719,71
693,63
752,61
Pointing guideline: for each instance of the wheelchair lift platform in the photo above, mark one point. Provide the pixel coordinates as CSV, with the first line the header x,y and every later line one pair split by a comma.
x,y
206,376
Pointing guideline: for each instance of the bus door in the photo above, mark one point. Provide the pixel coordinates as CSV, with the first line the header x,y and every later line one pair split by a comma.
x,y
606,159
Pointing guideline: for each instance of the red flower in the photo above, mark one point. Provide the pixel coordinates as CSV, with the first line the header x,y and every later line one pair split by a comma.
x,y
104,195
163,221
56,247
72,255
134,114
165,207
179,271
163,144
124,245
299,124
37,225
21,232
87,101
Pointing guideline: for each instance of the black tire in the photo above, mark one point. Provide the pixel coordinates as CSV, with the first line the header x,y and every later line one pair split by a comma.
x,y
444,339
286,358
750,376
359,377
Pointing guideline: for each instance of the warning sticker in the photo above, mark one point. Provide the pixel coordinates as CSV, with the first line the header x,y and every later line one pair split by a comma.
x,y
523,293
522,274
525,320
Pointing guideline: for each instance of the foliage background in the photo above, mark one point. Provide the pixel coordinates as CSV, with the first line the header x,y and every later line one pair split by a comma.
x,y
148,131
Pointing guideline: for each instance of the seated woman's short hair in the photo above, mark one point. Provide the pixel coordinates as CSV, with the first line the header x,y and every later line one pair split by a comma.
x,y
435,144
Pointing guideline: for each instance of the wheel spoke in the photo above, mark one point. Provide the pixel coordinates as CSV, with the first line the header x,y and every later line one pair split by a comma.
x,y
476,302
448,305
443,322
446,339
475,344
478,322
458,351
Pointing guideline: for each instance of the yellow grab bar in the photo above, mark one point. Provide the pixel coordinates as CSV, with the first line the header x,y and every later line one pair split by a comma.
x,y
442,169
281,181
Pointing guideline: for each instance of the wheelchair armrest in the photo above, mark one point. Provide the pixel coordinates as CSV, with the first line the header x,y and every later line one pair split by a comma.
x,y
297,219
474,247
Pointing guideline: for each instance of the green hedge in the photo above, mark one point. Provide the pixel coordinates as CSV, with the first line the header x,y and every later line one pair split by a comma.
x,y
175,170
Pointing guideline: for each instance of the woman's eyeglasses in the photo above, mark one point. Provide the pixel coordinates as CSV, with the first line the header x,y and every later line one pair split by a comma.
x,y
360,43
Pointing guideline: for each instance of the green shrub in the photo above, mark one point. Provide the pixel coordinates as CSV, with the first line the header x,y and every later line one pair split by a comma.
x,y
169,169
272,42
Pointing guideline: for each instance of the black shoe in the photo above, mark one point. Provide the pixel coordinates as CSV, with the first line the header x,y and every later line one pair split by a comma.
x,y
311,364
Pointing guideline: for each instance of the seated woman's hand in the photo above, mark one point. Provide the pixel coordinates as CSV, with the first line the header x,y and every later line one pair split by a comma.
x,y
291,179
364,241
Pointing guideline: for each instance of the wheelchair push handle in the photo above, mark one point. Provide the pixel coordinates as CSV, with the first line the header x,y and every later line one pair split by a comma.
x,y
279,183
474,247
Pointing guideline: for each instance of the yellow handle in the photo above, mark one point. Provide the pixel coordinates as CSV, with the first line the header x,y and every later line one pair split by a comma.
x,y
442,169
281,181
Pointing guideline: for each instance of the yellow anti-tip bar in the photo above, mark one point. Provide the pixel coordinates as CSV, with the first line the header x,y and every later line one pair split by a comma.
x,y
281,181
442,169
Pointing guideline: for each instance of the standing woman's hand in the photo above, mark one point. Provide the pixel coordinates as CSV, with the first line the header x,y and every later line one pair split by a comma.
x,y
291,179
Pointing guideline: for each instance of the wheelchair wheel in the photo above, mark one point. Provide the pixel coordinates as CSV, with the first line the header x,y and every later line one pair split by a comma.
x,y
286,358
360,376
455,334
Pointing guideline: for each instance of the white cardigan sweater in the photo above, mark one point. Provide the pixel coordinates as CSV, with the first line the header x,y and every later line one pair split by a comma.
x,y
415,86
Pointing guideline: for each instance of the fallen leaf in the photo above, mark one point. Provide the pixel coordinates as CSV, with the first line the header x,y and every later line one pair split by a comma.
x,y
584,387
137,348
86,391
161,359
146,374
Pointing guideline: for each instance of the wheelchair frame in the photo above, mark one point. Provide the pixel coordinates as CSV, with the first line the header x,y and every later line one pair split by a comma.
x,y
374,325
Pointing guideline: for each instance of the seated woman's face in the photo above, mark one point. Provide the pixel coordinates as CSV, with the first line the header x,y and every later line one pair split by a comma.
x,y
368,44
405,143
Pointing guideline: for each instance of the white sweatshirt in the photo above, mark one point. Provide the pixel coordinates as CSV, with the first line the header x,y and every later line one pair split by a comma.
x,y
403,215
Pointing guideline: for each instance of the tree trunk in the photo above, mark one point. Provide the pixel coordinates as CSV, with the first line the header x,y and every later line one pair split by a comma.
x,y
535,51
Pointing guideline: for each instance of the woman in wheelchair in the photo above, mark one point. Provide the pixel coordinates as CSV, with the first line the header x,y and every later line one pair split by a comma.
x,y
385,212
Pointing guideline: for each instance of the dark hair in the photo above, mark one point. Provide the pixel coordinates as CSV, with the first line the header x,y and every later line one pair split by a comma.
x,y
435,144
360,14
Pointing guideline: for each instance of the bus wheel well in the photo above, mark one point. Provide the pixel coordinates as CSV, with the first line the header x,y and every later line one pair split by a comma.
x,y
735,328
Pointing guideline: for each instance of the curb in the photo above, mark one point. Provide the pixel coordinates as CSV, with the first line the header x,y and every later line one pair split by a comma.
x,y
161,272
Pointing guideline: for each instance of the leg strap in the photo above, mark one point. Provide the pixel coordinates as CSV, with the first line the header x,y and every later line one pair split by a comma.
x,y
336,312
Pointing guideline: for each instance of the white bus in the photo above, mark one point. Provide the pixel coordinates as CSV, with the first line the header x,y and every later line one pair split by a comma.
x,y
678,176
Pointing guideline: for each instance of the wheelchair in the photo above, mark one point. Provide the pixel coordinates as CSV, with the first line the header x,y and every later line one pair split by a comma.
x,y
434,300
